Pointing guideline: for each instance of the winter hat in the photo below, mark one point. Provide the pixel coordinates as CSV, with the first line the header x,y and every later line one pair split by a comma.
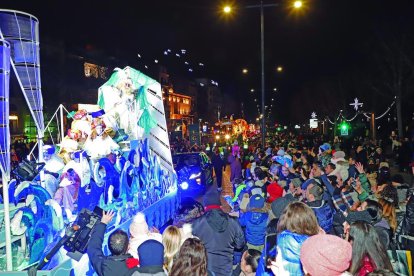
x,y
256,201
326,255
358,216
274,191
325,147
211,198
151,253
279,205
138,225
338,156
281,152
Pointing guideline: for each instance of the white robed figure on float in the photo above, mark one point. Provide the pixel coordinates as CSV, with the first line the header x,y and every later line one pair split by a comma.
x,y
123,98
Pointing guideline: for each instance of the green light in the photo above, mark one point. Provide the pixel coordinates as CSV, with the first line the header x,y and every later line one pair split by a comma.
x,y
344,126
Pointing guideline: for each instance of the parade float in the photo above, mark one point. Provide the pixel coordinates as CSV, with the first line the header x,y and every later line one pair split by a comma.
x,y
115,156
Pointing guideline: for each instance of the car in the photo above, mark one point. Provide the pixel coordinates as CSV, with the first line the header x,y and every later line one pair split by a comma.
x,y
194,172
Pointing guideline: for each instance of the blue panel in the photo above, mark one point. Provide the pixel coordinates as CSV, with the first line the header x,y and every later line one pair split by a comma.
x,y
21,31
4,107
18,26
24,51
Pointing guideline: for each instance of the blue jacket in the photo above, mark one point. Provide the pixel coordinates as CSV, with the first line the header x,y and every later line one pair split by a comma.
x,y
324,214
289,244
255,223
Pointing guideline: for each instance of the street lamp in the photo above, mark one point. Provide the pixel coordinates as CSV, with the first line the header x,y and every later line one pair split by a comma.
x,y
297,4
227,9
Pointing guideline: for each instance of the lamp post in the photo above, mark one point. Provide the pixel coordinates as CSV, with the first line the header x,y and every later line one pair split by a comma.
x,y
228,9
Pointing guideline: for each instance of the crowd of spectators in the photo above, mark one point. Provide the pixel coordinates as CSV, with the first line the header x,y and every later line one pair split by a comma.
x,y
301,206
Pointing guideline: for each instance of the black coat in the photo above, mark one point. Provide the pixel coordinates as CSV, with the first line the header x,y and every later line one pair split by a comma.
x,y
106,265
221,234
409,217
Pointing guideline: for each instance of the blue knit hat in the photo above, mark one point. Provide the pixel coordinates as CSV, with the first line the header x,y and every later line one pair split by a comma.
x,y
325,147
256,201
151,253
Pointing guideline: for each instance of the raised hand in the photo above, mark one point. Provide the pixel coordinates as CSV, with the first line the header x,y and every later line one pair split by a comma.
x,y
107,216
359,167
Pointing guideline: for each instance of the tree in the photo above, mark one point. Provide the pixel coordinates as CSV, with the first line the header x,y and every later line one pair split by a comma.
x,y
395,74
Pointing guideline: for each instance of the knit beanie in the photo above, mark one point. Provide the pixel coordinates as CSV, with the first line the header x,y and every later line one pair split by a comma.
x,y
138,225
211,198
151,253
256,201
274,191
279,205
326,255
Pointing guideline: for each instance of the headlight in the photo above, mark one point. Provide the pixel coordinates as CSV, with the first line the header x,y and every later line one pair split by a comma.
x,y
195,175
184,185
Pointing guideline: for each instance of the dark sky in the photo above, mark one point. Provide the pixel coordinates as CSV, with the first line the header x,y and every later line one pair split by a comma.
x,y
327,39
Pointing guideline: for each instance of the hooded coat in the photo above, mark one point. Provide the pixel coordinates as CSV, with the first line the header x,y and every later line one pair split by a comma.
x,y
255,223
221,234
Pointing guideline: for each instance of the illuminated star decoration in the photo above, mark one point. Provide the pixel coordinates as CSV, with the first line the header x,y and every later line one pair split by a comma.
x,y
356,104
313,115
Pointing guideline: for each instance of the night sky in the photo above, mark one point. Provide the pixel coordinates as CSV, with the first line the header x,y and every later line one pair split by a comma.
x,y
329,46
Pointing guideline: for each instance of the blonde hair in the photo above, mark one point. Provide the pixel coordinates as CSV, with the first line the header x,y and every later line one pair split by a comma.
x,y
388,212
171,239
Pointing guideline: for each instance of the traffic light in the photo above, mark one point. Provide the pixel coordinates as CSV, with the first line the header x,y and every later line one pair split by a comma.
x,y
344,126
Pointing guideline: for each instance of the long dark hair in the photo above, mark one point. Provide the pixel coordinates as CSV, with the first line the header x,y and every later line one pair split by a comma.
x,y
191,260
366,243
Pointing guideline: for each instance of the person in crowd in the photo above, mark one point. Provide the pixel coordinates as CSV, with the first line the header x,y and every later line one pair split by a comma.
x,y
140,232
326,255
408,221
341,165
368,253
119,263
274,191
361,155
297,223
191,259
380,224
255,221
330,168
220,233
171,239
235,168
323,211
285,174
151,259
389,201
324,155
295,190
219,165
249,263
277,207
